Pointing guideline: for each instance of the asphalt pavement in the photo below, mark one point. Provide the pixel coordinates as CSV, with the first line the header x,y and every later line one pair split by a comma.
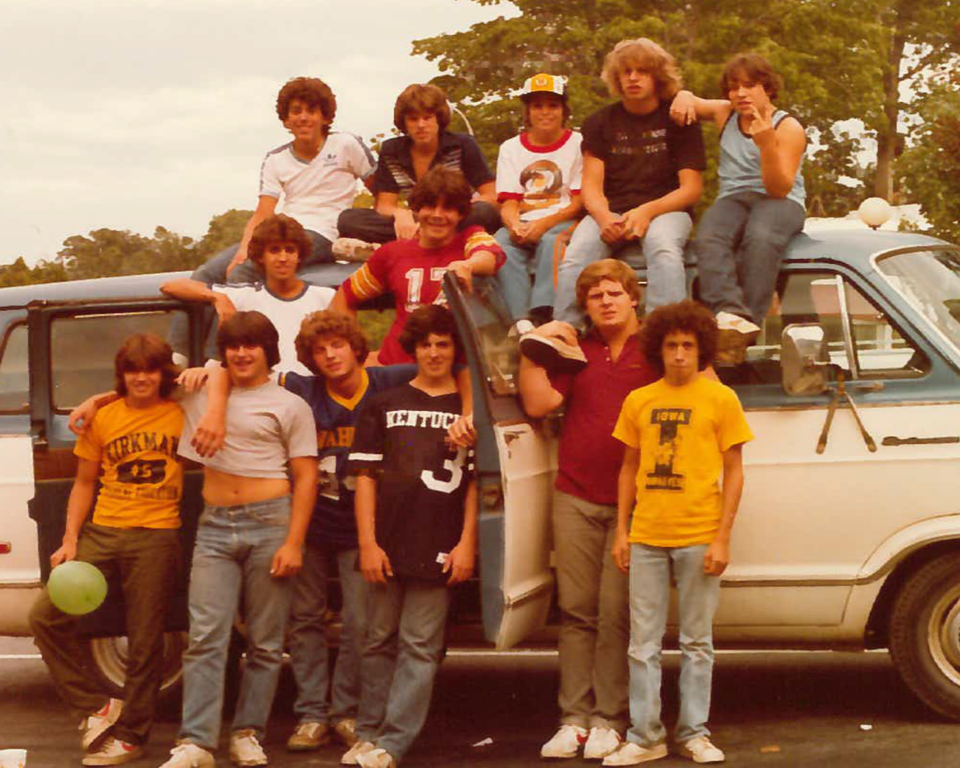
x,y
773,709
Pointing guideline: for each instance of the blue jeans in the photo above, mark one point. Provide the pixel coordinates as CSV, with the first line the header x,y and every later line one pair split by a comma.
x,y
698,595
308,642
739,245
400,658
233,553
514,276
662,251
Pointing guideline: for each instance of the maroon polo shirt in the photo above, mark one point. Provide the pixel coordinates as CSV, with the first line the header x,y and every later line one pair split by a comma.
x,y
590,456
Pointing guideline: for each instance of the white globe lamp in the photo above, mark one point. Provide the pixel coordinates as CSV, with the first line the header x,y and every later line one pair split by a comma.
x,y
874,212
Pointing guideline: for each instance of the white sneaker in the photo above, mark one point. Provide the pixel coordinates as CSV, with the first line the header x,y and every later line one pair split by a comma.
x,y
350,756
351,249
112,752
245,750
601,742
189,756
346,731
632,754
566,742
95,726
376,758
553,353
727,321
702,750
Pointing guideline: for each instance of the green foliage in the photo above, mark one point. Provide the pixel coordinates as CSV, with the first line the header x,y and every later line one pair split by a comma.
x,y
931,168
375,324
110,252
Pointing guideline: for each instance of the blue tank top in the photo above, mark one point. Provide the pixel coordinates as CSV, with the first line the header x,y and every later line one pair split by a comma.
x,y
740,162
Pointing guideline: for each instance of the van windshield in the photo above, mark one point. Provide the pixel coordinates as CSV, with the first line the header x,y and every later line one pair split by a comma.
x,y
930,281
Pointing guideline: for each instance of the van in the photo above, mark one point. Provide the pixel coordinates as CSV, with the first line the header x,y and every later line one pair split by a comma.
x,y
848,535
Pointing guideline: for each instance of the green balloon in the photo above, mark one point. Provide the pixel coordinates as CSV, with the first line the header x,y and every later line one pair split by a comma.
x,y
76,588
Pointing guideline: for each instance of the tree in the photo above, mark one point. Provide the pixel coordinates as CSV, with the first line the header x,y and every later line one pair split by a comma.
x,y
840,59
930,169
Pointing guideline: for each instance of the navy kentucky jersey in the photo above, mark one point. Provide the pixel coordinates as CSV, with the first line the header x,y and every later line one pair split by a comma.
x,y
421,478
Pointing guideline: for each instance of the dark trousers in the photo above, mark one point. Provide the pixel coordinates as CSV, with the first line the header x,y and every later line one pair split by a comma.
x,y
372,227
739,245
146,561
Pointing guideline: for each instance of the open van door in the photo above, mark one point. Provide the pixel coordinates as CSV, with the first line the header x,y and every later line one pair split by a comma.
x,y
516,464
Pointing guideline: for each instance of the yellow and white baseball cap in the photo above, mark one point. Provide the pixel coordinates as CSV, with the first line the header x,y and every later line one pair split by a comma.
x,y
544,83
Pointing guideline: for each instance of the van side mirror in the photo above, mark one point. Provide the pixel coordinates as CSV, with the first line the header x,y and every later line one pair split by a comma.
x,y
804,361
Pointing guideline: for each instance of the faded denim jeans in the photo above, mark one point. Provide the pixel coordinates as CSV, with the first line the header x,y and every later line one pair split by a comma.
x,y
234,550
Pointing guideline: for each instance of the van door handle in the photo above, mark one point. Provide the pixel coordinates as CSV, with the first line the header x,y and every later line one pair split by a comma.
x,y
892,441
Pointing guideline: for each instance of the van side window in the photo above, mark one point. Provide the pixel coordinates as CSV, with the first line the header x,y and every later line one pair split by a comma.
x,y
15,372
866,346
82,349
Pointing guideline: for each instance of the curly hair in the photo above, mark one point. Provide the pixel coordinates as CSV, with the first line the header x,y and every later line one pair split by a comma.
x,y
329,323
687,316
145,352
421,98
648,56
432,318
250,329
606,269
313,92
278,229
750,68
441,184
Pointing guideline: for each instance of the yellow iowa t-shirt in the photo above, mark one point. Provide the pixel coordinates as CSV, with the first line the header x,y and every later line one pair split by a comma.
x,y
682,433
142,479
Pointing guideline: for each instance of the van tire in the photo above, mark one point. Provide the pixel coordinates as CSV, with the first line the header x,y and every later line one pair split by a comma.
x,y
109,658
925,634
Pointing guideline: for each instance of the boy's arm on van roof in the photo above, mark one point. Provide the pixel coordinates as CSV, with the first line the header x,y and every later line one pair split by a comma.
x,y
78,507
266,205
187,289
687,108
81,417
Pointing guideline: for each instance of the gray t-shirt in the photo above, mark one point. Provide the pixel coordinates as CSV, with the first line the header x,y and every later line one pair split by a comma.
x,y
266,426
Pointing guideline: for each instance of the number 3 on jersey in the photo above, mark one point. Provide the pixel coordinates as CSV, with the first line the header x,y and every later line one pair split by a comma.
x,y
454,466
415,284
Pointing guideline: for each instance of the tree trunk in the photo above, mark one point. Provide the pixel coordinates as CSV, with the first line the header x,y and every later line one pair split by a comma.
x,y
887,137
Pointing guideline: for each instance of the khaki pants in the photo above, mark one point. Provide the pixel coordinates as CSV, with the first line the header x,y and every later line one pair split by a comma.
x,y
595,615
146,561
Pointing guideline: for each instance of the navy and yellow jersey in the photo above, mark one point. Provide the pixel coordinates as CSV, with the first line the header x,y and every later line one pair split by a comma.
x,y
333,523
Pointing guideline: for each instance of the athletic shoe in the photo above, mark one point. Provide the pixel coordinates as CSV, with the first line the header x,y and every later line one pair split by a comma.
x,y
188,755
113,752
307,736
351,755
351,249
601,742
701,750
346,731
245,750
553,353
632,754
566,742
94,727
734,335
376,758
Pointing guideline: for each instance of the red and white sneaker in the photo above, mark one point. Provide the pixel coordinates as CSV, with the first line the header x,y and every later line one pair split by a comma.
x,y
95,726
113,752
565,743
601,742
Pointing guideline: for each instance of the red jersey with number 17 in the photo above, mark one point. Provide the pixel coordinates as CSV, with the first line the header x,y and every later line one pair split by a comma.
x,y
413,275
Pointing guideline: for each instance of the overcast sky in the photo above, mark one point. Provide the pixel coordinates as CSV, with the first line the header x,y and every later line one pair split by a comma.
x,y
130,114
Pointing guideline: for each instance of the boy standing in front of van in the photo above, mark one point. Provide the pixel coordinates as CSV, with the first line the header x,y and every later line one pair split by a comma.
x,y
249,543
134,535
680,434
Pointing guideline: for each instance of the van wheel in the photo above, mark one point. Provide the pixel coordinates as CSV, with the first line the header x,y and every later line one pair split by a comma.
x,y
109,655
925,634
